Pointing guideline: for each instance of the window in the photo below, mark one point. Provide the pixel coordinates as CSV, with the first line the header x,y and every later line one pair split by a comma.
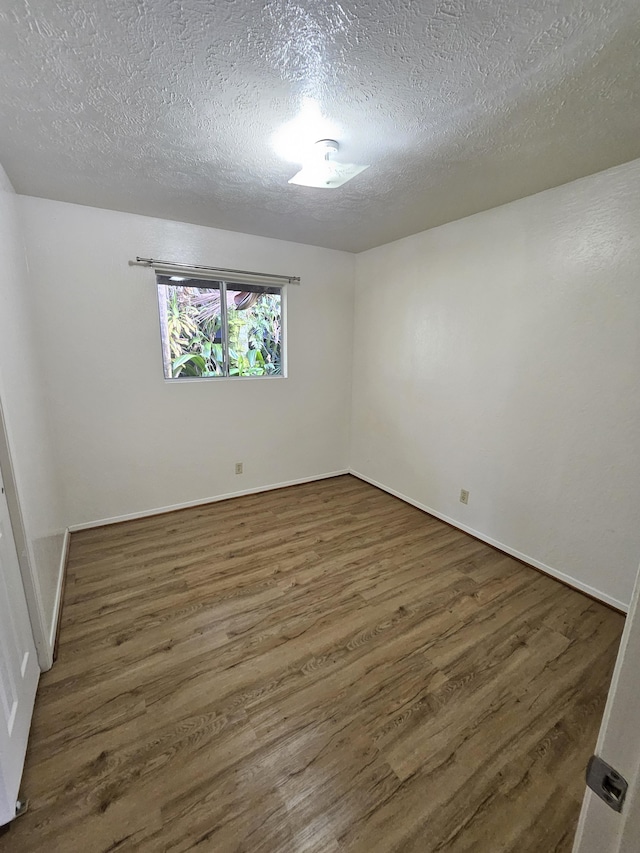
x,y
214,328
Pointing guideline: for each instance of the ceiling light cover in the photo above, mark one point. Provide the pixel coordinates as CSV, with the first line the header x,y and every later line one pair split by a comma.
x,y
314,176
322,171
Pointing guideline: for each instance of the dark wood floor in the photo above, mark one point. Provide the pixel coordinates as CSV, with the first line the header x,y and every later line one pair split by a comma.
x,y
317,669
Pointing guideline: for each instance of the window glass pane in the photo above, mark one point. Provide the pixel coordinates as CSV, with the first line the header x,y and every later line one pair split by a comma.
x,y
191,326
255,330
200,339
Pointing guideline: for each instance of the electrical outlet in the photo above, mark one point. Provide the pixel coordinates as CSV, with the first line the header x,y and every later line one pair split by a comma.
x,y
238,467
464,496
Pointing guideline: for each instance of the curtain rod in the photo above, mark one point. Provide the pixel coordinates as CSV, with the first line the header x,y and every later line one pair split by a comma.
x,y
153,262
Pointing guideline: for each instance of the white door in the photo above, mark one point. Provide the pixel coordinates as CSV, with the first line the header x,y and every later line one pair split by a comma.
x,y
19,671
602,830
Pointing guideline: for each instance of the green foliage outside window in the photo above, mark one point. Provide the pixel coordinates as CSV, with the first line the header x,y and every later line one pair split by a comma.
x,y
194,331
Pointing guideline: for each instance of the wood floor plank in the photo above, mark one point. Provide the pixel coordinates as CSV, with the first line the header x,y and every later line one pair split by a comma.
x,y
318,669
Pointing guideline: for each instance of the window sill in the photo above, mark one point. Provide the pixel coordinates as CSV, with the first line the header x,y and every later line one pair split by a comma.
x,y
179,380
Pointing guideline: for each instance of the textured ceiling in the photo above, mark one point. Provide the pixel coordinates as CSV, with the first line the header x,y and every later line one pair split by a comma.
x,y
170,107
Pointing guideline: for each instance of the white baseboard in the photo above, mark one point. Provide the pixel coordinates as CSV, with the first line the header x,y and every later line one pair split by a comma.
x,y
549,570
160,510
57,604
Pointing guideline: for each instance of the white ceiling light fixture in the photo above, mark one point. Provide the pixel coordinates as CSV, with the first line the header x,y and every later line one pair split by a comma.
x,y
294,139
320,170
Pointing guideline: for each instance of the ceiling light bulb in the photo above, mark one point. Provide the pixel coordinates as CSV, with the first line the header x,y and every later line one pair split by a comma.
x,y
293,140
325,149
177,278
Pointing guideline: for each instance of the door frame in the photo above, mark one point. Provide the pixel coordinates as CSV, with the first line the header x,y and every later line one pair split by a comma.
x,y
600,829
20,673
29,582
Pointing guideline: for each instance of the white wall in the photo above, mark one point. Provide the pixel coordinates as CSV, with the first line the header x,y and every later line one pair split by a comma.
x,y
32,461
501,354
126,440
